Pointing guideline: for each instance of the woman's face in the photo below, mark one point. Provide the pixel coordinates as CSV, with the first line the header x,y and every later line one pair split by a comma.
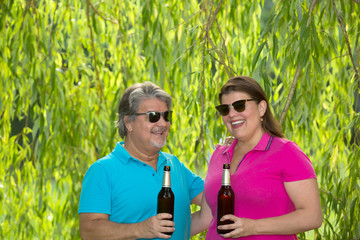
x,y
245,126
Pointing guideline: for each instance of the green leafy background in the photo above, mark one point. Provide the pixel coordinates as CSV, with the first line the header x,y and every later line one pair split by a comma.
x,y
64,65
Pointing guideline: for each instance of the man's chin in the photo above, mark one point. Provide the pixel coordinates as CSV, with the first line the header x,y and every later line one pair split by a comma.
x,y
158,144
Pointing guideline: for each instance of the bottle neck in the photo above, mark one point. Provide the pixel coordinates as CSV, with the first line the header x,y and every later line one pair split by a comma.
x,y
166,179
226,177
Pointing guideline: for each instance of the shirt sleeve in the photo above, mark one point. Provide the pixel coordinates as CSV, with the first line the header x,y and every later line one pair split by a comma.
x,y
96,191
297,166
195,182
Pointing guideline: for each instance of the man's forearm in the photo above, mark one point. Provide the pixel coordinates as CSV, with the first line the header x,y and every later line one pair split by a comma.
x,y
106,229
98,226
201,219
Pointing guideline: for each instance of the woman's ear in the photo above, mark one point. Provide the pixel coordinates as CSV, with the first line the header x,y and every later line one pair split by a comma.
x,y
128,124
262,106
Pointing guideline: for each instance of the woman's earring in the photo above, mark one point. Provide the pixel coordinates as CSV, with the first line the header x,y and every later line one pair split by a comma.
x,y
261,119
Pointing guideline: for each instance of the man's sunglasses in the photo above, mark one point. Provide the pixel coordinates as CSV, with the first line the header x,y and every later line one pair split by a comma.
x,y
239,106
155,116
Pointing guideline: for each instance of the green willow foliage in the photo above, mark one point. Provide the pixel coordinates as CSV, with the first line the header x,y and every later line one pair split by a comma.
x,y
64,65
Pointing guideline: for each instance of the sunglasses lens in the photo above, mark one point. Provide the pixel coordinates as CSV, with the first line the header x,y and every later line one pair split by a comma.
x,y
167,116
239,106
223,109
154,117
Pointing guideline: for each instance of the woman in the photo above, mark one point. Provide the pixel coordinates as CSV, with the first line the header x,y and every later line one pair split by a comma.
x,y
275,186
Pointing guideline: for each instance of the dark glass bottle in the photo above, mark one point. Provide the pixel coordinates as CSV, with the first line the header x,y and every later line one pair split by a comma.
x,y
226,199
166,197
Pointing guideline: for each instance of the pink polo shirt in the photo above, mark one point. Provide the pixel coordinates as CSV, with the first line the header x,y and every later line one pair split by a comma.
x,y
258,182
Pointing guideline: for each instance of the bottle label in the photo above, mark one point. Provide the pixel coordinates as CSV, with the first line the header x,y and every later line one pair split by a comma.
x,y
226,177
166,179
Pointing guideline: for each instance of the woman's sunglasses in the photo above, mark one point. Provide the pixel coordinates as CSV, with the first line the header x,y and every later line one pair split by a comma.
x,y
239,106
155,116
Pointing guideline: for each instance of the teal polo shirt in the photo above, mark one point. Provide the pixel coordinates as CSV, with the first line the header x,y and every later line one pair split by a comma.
x,y
127,189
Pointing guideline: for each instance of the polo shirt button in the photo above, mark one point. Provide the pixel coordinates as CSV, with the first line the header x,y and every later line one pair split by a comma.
x,y
153,174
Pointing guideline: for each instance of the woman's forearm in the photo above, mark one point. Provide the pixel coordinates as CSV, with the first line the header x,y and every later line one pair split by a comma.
x,y
296,222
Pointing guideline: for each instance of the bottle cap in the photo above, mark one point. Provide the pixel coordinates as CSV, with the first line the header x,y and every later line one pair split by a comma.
x,y
226,166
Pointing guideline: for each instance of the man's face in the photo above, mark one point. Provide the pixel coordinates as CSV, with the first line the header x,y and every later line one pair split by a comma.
x,y
147,135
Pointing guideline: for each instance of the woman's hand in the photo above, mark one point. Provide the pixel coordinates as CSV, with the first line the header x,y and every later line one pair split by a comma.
x,y
227,142
242,226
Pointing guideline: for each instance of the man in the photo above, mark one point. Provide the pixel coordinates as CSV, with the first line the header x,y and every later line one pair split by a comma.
x,y
119,192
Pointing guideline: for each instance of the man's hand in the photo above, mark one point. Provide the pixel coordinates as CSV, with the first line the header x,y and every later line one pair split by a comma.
x,y
156,226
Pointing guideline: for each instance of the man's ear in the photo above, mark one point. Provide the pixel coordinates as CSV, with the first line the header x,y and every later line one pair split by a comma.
x,y
262,106
128,124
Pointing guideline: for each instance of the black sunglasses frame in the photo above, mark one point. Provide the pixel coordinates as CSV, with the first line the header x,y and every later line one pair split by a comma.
x,y
239,106
154,116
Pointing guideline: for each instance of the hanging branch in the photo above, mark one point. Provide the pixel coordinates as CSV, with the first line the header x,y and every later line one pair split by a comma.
x,y
202,80
93,48
297,74
210,23
312,5
196,41
222,60
206,39
343,28
98,13
291,94
37,26
188,49
226,53
52,29
230,72
185,21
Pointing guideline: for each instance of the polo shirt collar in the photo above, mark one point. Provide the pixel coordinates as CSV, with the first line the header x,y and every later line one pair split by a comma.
x,y
264,143
230,149
123,155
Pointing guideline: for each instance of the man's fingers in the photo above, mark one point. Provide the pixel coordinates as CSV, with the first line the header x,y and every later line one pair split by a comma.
x,y
163,216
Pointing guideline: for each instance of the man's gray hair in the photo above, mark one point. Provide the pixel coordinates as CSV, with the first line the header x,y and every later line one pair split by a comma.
x,y
133,97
